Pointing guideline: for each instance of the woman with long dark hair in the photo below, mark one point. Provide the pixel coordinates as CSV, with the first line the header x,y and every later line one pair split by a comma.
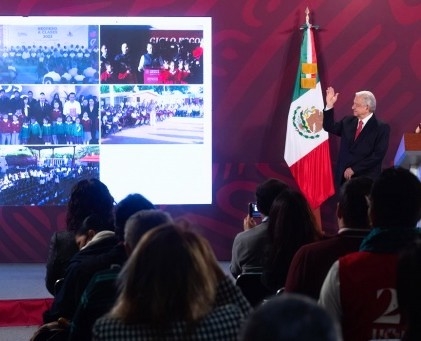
x,y
291,225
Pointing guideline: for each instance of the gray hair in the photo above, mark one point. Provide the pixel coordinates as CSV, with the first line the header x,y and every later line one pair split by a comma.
x,y
368,98
141,222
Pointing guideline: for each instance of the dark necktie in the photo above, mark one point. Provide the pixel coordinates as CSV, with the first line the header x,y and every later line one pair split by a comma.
x,y
359,128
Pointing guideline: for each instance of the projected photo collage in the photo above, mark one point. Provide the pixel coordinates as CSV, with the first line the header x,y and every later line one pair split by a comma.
x,y
74,99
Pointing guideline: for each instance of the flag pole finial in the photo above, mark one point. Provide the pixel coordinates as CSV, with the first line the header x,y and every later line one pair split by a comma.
x,y
307,24
307,12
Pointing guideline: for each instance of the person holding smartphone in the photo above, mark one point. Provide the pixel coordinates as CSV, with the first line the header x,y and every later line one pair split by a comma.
x,y
249,245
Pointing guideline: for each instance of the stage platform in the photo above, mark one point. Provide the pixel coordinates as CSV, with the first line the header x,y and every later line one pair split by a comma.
x,y
23,297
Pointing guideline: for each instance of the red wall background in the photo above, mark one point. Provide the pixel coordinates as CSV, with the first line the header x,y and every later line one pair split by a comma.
x,y
362,44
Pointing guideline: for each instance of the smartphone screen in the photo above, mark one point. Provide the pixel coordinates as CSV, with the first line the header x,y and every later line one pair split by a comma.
x,y
253,211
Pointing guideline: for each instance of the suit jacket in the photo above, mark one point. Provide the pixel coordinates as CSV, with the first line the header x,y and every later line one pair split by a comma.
x,y
40,112
248,249
365,154
83,265
312,262
61,249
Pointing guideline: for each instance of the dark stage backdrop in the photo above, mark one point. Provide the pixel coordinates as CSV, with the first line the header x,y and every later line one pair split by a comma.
x,y
362,44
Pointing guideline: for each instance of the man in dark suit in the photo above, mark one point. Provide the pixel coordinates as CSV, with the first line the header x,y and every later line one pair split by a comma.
x,y
364,138
42,108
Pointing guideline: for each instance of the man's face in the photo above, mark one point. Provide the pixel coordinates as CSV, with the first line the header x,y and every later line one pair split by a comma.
x,y
124,48
149,48
81,240
359,107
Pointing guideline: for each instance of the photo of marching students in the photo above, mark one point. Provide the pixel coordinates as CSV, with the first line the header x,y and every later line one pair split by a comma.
x,y
152,114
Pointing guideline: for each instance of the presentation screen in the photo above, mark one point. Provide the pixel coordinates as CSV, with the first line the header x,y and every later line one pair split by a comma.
x,y
126,100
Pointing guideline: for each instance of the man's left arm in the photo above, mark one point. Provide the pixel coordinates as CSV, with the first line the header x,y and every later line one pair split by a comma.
x,y
235,266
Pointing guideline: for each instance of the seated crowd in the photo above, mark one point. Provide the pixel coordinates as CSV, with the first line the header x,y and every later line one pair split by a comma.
x,y
132,272
38,185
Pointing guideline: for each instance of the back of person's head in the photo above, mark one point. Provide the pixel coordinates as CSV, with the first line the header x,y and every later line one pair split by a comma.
x,y
126,207
89,197
353,205
140,223
291,222
290,317
408,289
91,225
171,275
93,222
266,193
395,199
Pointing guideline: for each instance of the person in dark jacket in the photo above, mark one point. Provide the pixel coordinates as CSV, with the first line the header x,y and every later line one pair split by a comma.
x,y
87,197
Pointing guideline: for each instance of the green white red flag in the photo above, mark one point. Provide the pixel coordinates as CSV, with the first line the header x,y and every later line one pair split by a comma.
x,y
307,146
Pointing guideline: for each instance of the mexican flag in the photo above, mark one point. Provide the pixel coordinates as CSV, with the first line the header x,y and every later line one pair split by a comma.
x,y
306,146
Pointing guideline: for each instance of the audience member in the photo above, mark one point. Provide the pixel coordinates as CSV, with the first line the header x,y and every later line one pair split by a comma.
x,y
87,197
128,206
96,241
173,288
290,317
249,245
360,288
408,290
101,292
291,225
312,262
